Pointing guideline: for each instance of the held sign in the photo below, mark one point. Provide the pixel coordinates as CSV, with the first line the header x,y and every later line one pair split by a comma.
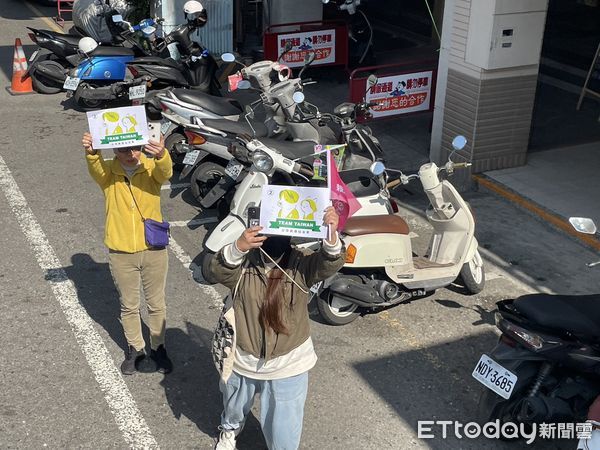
x,y
321,42
401,94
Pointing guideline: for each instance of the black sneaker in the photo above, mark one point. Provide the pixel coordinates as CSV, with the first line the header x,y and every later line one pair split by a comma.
x,y
162,360
132,356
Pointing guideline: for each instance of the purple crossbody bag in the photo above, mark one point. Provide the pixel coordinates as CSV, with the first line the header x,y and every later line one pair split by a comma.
x,y
156,233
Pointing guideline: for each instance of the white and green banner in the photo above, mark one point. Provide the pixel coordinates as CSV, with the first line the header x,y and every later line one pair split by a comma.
x,y
118,127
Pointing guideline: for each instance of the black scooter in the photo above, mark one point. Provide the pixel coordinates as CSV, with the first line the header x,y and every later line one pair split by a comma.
x,y
546,365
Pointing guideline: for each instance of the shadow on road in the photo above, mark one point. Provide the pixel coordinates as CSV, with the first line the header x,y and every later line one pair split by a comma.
x,y
192,390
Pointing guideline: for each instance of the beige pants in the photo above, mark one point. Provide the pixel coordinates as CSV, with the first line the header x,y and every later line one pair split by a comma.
x,y
128,269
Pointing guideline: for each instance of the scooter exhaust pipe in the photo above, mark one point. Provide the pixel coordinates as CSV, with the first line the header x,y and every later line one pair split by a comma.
x,y
366,296
541,409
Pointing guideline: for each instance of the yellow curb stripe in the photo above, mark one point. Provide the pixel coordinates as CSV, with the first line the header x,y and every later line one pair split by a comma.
x,y
38,13
549,217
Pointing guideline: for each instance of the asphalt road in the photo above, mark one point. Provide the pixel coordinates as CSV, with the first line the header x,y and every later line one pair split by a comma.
x,y
62,342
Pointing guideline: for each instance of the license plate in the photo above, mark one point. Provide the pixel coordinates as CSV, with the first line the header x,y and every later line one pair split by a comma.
x,y
71,83
191,157
33,55
164,127
495,377
234,169
137,92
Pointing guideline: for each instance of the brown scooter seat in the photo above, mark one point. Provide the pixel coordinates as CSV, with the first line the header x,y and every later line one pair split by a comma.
x,y
356,226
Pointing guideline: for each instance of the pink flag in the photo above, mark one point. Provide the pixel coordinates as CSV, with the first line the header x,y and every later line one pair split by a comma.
x,y
343,200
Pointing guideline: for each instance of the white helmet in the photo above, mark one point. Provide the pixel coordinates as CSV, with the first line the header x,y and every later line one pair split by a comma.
x,y
192,9
87,44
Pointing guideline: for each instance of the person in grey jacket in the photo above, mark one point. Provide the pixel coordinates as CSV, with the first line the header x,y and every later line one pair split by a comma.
x,y
273,353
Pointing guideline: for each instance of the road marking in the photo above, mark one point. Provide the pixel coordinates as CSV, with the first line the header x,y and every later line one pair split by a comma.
x,y
167,187
214,296
548,216
120,401
193,222
40,15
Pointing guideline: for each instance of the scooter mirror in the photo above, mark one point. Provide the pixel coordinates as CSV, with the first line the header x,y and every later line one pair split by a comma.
x,y
117,18
371,81
244,84
459,142
228,57
249,111
377,168
298,97
583,225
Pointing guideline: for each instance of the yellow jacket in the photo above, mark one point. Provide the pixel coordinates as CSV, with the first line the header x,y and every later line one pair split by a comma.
x,y
124,228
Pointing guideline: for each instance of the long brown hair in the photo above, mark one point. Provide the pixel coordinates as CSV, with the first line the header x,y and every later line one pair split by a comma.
x,y
271,311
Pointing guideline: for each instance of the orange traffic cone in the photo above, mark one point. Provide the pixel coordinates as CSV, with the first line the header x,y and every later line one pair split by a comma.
x,y
21,84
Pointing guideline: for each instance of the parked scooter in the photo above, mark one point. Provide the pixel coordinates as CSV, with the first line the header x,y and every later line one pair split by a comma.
x,y
59,53
381,269
183,108
107,79
270,166
545,366
302,120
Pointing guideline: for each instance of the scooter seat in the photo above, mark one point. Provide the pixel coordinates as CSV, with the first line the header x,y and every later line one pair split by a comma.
x,y
222,106
291,149
112,51
231,127
360,225
72,39
578,314
170,62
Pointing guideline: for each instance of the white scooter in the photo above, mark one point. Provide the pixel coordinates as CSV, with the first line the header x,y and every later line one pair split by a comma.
x,y
381,269
270,166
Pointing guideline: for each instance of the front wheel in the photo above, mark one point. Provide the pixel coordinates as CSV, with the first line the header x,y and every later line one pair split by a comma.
x,y
204,178
336,311
472,274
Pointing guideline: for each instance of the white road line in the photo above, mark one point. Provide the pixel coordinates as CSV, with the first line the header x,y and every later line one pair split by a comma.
x,y
193,222
215,298
167,187
120,401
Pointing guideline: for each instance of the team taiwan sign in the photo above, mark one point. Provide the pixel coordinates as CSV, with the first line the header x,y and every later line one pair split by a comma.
x,y
401,94
321,42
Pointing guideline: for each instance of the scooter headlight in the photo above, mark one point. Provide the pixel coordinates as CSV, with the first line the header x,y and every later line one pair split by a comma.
x,y
262,162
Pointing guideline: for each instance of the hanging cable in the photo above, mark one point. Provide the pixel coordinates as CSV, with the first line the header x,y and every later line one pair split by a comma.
x,y
433,21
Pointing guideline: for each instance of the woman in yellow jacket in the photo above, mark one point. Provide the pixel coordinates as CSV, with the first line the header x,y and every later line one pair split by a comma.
x,y
131,185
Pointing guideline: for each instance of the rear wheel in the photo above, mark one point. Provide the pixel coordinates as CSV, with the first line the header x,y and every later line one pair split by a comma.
x,y
472,274
86,103
336,311
43,84
204,178
170,141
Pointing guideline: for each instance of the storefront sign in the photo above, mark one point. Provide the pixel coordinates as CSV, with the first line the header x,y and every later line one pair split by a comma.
x,y
321,42
401,94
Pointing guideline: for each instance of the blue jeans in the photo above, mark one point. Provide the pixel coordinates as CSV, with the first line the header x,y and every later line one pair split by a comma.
x,y
281,407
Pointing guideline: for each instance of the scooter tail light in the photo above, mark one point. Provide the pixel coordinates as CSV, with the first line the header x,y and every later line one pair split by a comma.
x,y
524,336
351,254
193,138
394,206
133,71
32,37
